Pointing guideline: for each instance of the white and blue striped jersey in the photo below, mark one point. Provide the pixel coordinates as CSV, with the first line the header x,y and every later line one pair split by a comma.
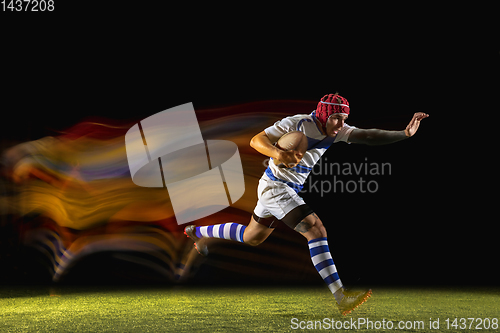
x,y
318,143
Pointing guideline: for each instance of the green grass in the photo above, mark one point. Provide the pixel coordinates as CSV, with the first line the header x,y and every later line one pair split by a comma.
x,y
182,309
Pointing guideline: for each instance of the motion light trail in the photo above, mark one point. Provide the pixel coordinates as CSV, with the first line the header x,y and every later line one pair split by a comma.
x,y
76,191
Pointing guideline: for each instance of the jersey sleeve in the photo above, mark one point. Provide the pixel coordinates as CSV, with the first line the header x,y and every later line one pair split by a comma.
x,y
343,134
280,128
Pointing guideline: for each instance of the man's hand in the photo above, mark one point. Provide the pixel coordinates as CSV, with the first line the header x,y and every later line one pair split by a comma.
x,y
290,158
412,127
263,145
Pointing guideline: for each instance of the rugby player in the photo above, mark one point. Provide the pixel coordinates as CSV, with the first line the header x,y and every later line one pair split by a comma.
x,y
278,199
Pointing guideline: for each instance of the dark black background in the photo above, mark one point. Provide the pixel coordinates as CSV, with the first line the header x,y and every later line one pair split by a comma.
x,y
434,217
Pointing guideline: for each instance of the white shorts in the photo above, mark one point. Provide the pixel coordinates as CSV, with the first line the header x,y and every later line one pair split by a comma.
x,y
275,199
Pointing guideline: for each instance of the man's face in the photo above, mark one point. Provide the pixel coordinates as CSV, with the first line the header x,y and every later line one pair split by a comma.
x,y
335,123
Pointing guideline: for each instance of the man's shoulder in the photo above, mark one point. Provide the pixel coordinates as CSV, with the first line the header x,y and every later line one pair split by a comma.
x,y
298,118
298,122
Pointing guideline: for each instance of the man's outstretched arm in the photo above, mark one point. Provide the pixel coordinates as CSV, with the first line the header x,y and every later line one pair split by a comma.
x,y
382,137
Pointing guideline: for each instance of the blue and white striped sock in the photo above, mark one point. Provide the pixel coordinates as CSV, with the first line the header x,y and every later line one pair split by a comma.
x,y
230,231
323,262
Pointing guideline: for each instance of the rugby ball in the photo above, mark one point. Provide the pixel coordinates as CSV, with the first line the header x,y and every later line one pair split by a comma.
x,y
294,140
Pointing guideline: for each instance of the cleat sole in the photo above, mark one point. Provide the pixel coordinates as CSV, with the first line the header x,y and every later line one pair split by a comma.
x,y
368,294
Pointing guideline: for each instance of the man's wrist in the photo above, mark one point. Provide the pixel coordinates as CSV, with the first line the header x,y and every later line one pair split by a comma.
x,y
278,153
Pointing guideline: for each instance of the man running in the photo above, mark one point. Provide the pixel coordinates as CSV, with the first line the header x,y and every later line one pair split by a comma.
x,y
280,184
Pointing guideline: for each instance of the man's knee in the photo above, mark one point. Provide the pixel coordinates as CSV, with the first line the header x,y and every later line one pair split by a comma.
x,y
311,227
256,233
322,230
254,241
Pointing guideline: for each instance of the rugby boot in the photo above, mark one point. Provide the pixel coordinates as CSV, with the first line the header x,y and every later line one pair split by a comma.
x,y
200,246
352,299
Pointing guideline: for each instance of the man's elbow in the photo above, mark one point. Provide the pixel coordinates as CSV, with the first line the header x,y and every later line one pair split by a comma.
x,y
257,140
253,142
